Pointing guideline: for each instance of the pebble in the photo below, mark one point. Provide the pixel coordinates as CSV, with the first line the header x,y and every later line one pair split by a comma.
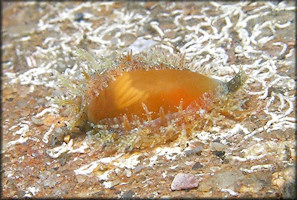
x,y
21,104
81,178
127,38
128,173
98,194
51,181
197,165
128,194
216,146
67,139
227,179
197,151
25,113
138,168
57,137
36,121
79,17
205,186
63,159
184,181
220,154
115,182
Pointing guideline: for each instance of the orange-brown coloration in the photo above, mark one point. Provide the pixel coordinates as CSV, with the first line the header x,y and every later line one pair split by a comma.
x,y
139,103
136,91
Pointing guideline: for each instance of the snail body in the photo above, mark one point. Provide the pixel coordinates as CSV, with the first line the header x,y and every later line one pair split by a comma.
x,y
138,103
140,91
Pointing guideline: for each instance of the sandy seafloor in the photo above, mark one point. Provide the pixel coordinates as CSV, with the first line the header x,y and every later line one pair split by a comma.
x,y
253,157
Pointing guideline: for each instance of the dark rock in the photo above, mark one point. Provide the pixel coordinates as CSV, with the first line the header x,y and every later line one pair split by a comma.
x,y
117,192
220,154
10,99
79,17
197,165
